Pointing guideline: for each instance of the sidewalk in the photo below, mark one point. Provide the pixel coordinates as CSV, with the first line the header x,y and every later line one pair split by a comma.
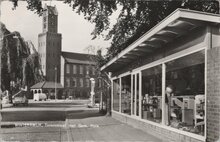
x,y
97,128
105,128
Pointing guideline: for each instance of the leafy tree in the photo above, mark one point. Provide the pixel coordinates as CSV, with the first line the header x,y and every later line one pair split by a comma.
x,y
135,17
18,64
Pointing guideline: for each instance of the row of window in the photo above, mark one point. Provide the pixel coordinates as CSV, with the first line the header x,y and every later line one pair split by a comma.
x,y
74,82
180,81
89,69
49,43
80,82
48,54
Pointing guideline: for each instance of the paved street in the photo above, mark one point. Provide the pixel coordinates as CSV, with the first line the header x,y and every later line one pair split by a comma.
x,y
46,110
78,123
99,128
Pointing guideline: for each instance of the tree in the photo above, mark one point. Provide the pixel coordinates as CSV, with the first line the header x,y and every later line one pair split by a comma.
x,y
18,64
135,17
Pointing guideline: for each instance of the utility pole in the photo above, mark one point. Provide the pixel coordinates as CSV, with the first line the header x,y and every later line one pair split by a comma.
x,y
55,83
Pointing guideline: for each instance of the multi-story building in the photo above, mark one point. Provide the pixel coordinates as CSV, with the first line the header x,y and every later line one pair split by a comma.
x,y
77,70
72,71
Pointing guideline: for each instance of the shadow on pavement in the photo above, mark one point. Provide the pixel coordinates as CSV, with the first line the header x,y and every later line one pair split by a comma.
x,y
83,114
53,115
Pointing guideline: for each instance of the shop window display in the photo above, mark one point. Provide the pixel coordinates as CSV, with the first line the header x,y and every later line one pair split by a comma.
x,y
116,94
152,94
126,95
184,97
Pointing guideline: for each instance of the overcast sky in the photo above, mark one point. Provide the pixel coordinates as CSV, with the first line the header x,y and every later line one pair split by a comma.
x,y
76,32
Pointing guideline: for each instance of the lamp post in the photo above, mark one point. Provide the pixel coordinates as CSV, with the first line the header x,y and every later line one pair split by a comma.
x,y
12,86
55,83
92,91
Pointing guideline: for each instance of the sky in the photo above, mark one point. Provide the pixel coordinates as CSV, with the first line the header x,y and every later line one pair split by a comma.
x,y
75,30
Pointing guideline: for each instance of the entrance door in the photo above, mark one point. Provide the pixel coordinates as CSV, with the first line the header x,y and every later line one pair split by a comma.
x,y
135,94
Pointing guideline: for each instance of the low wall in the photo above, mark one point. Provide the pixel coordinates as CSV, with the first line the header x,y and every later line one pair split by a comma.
x,y
163,133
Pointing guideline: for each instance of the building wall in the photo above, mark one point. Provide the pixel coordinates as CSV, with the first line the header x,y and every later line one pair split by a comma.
x,y
53,56
49,22
213,88
163,133
78,91
42,51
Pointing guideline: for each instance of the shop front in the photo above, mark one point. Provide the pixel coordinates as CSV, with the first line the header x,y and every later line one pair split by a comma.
x,y
166,82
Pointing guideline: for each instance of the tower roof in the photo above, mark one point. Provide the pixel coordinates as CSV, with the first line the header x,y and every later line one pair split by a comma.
x,y
51,9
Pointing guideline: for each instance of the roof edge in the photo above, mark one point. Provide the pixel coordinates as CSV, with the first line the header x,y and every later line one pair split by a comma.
x,y
178,13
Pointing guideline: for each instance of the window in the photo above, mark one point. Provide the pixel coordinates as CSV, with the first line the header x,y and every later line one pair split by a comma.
x,y
87,82
80,69
74,82
93,70
81,82
67,68
126,94
100,83
152,94
74,69
67,82
87,69
45,26
45,19
185,92
116,93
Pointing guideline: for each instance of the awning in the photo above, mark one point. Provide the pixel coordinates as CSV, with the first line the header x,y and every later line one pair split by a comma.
x,y
178,23
47,85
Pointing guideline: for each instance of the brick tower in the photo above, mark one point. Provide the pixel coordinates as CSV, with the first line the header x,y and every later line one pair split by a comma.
x,y
49,44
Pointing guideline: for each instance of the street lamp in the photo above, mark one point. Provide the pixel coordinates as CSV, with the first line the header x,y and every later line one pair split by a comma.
x,y
92,91
55,83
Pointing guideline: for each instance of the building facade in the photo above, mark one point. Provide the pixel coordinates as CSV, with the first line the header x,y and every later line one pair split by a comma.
x,y
73,71
76,73
49,45
167,81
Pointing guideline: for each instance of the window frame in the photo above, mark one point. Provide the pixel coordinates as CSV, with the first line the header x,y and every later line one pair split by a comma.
x,y
163,61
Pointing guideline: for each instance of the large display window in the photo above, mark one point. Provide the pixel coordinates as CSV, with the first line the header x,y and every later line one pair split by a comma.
x,y
152,94
126,94
116,94
185,93
183,81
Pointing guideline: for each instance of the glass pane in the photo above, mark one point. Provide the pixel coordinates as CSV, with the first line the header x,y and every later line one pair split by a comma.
x,y
126,95
133,94
152,94
184,99
137,94
116,93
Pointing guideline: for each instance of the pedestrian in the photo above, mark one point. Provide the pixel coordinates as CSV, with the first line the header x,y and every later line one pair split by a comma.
x,y
168,95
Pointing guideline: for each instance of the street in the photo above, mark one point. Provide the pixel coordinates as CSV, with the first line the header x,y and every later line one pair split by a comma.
x,y
45,111
65,121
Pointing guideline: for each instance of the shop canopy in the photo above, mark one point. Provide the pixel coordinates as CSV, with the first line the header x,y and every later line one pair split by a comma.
x,y
47,85
177,24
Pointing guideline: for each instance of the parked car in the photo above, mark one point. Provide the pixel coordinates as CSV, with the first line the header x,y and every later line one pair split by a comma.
x,y
20,98
5,100
40,97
